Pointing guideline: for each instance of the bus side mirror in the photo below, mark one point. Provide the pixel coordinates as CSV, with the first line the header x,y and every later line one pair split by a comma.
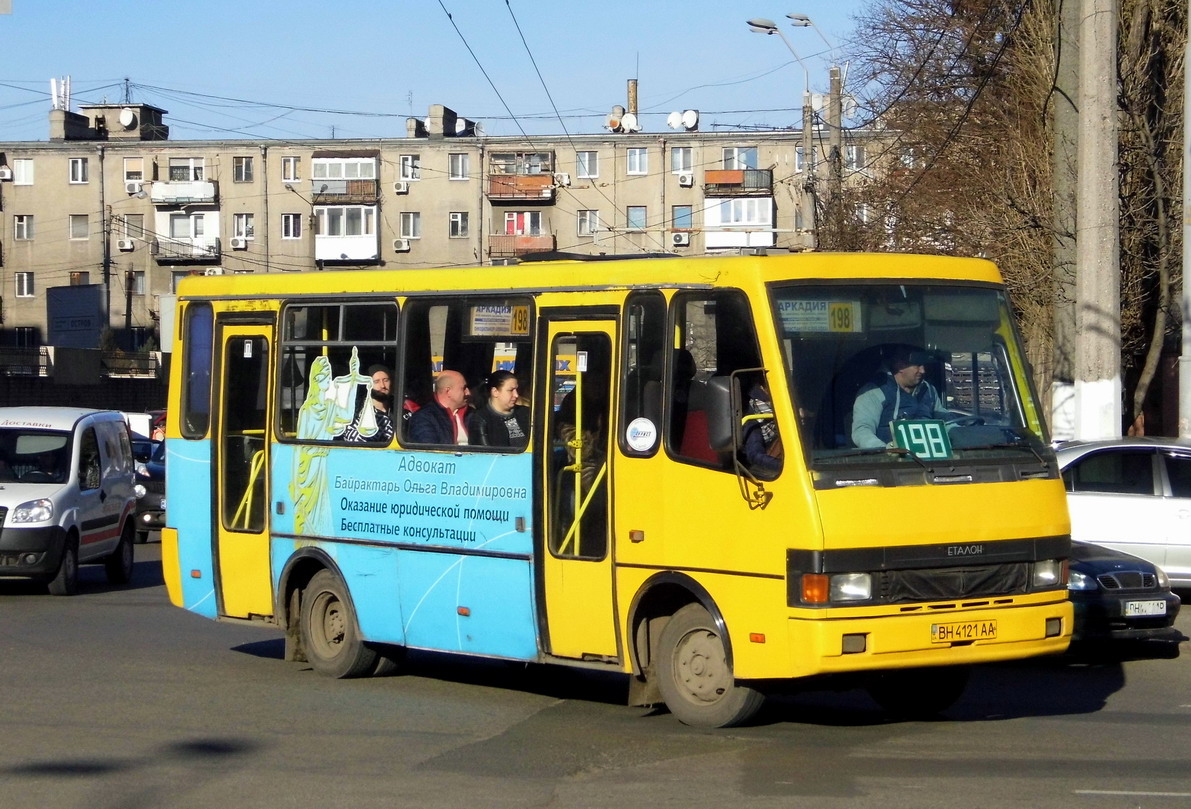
x,y
721,414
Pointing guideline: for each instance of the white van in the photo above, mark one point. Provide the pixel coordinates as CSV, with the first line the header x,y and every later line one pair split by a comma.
x,y
66,494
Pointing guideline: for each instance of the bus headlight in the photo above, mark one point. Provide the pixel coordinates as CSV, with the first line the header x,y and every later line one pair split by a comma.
x,y
33,511
851,587
1049,573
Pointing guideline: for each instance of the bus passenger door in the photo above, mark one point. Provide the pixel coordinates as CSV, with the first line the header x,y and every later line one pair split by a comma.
x,y
241,460
577,563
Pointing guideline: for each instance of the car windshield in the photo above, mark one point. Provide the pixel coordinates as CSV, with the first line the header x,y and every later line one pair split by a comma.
x,y
34,456
939,367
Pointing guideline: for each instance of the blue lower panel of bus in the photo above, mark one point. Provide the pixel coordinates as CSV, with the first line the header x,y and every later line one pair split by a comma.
x,y
435,547
189,468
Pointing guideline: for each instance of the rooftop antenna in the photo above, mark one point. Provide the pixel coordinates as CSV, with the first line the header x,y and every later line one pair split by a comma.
x,y
127,91
60,93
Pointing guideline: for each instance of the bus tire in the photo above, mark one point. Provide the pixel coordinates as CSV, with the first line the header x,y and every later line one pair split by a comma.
x,y
66,580
388,659
919,693
118,564
329,631
694,677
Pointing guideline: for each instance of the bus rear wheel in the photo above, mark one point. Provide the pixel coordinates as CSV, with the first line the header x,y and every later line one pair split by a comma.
x,y
330,635
694,676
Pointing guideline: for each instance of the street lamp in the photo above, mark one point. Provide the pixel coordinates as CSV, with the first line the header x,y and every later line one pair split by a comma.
x,y
803,21
760,25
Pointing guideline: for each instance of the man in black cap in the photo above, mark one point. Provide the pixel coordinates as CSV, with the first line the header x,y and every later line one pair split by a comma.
x,y
904,393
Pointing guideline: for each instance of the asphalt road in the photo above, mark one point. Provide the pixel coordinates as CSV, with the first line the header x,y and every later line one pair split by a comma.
x,y
114,698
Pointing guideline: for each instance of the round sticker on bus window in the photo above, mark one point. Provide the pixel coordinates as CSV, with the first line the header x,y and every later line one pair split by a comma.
x,y
641,435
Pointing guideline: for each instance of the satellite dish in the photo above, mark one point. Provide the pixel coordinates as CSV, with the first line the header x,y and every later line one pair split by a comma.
x,y
127,118
674,120
690,119
479,130
630,123
848,106
612,123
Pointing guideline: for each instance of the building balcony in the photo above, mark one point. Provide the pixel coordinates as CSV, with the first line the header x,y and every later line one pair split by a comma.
x,y
738,183
521,187
188,193
353,249
185,251
505,246
344,192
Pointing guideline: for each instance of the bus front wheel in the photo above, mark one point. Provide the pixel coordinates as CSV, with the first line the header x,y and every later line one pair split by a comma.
x,y
329,632
694,676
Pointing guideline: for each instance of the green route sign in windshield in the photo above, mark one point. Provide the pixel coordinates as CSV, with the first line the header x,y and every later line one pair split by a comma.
x,y
926,438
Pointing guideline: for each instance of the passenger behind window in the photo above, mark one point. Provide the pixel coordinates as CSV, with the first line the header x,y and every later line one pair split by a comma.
x,y
762,444
442,420
497,419
374,416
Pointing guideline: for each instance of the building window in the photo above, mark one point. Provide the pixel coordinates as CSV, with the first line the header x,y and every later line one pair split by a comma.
x,y
589,222
799,159
523,223
140,335
24,284
186,169
458,224
22,171
411,167
635,217
459,166
736,212
79,278
291,226
78,170
132,225
134,169
243,225
411,225
587,165
521,162
79,226
242,169
638,158
854,157
344,168
25,336
22,227
740,157
682,159
682,217
136,282
289,169
175,277
345,220
186,226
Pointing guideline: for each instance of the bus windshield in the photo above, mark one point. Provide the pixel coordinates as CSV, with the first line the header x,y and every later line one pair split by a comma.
x,y
897,372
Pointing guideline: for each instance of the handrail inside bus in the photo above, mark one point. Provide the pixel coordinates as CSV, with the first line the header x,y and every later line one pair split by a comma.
x,y
254,470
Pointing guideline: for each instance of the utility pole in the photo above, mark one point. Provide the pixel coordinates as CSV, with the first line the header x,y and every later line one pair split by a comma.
x,y
808,172
835,123
1185,356
1098,268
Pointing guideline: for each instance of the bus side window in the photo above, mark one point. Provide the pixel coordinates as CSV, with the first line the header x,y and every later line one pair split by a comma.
x,y
644,358
716,336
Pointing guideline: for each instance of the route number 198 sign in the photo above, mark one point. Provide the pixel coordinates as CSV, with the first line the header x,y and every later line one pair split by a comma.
x,y
926,438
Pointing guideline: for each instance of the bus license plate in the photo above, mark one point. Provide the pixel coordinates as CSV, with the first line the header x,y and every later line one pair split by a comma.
x,y
1145,608
963,631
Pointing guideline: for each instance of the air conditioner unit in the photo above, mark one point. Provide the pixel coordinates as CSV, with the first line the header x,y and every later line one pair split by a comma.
x,y
132,187
562,178
681,239
400,187
686,180
239,243
125,244
401,245
214,270
5,173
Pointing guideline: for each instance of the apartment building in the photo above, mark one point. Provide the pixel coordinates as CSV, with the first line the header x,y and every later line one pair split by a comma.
x,y
110,202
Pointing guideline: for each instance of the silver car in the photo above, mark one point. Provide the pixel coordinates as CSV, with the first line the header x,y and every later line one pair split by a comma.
x,y
1134,495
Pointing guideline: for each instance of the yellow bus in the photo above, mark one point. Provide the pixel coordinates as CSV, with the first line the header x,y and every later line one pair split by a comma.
x,y
700,504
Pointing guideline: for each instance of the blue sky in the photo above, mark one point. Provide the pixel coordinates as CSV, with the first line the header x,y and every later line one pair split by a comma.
x,y
272,70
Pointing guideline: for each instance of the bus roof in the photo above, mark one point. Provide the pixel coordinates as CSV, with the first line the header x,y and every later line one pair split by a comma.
x,y
537,276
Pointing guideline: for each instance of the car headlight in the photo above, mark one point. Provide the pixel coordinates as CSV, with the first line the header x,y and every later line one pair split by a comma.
x,y
33,511
851,587
1080,581
139,490
1163,579
142,470
1048,573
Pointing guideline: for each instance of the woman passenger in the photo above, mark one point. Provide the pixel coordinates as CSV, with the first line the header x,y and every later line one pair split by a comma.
x,y
497,420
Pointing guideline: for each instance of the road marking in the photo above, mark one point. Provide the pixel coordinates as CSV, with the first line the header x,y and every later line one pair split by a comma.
x,y
1133,794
